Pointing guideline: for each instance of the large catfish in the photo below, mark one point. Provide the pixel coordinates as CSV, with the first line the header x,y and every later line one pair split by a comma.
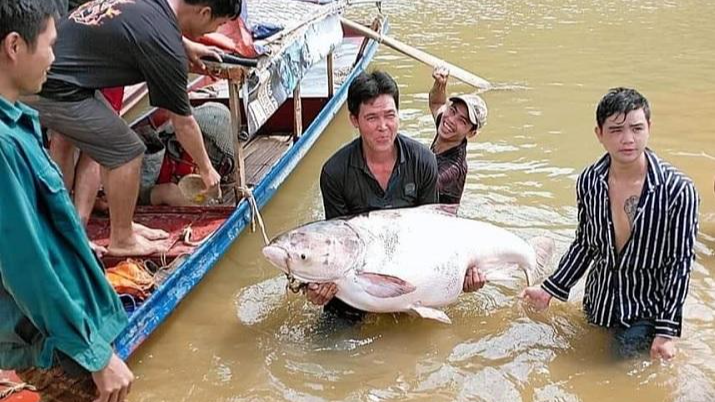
x,y
402,260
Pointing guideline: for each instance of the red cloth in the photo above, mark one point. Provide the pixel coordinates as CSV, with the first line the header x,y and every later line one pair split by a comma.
x,y
115,97
172,170
233,36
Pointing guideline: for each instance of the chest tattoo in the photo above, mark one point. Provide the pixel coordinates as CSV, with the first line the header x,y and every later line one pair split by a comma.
x,y
630,207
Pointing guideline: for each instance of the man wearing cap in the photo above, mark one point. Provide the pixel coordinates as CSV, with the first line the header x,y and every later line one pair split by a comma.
x,y
457,119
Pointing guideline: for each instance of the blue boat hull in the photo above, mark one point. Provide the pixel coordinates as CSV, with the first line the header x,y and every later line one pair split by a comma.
x,y
147,318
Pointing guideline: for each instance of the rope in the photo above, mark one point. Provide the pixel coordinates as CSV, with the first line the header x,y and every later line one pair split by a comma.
x,y
13,388
255,213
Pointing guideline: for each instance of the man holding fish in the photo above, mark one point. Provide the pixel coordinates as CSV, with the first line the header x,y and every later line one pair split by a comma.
x,y
379,170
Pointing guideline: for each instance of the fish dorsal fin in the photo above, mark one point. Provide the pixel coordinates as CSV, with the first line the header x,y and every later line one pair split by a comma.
x,y
443,209
432,314
383,286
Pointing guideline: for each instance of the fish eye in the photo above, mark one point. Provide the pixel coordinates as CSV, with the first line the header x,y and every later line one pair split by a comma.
x,y
302,257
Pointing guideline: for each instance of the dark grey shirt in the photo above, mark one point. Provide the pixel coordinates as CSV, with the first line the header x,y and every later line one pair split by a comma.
x,y
113,43
349,188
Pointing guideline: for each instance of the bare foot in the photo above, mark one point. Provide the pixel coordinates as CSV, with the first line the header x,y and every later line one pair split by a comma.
x,y
98,250
135,246
148,233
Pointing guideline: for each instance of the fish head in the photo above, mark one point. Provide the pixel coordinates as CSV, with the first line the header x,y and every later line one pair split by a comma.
x,y
318,252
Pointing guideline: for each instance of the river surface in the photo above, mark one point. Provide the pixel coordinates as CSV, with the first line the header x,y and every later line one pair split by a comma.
x,y
240,337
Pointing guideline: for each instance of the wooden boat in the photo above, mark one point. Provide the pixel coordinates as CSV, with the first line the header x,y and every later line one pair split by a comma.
x,y
266,158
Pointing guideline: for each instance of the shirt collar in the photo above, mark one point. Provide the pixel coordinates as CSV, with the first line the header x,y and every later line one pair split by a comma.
x,y
654,175
14,113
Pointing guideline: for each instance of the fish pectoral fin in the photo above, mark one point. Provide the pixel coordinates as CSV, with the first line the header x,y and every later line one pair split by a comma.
x,y
383,286
432,313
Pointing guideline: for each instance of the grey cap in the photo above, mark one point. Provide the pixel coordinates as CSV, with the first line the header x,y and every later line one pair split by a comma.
x,y
476,107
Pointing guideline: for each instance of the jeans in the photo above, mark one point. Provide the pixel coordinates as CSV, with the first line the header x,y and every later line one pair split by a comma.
x,y
632,341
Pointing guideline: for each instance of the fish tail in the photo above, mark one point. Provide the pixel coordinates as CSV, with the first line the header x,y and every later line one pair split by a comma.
x,y
544,250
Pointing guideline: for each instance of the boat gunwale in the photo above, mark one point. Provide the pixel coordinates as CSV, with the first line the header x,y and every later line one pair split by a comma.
x,y
150,315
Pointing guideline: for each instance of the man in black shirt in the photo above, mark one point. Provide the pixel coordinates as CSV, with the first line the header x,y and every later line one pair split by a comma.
x,y
379,170
115,43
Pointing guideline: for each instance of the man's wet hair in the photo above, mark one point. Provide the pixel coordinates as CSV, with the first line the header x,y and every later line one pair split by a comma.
x,y
220,8
368,86
621,101
29,18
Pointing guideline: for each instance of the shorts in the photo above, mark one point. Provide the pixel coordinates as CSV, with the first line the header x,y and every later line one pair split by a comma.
x,y
55,385
93,127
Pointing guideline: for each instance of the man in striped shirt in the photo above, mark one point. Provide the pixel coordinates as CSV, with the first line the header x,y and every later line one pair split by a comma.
x,y
637,222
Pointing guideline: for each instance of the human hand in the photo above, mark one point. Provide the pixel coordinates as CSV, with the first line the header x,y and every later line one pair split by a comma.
x,y
662,348
195,51
536,297
440,75
210,177
474,279
321,293
113,381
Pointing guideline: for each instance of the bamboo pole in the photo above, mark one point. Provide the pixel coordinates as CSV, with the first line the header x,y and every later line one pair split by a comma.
x,y
419,55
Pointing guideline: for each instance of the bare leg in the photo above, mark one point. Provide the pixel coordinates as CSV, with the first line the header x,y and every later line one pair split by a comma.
x,y
62,152
86,186
168,194
122,186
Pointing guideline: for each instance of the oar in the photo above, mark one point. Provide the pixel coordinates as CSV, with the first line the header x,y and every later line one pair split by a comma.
x,y
419,55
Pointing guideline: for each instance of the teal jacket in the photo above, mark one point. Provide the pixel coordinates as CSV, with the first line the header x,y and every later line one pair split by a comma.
x,y
48,273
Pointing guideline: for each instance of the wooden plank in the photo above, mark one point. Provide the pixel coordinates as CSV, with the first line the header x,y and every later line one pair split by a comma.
x,y
297,113
262,153
235,106
331,75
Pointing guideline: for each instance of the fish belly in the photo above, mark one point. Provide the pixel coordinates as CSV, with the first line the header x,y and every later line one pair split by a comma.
x,y
429,251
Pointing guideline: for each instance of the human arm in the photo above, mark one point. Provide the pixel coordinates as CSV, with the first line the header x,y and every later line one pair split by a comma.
x,y
573,264
114,381
438,93
189,135
679,255
29,275
335,206
195,51
576,260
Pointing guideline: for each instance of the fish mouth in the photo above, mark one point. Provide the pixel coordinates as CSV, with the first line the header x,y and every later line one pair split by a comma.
x,y
277,256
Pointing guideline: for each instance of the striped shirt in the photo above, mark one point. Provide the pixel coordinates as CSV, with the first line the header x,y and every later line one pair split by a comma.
x,y
649,278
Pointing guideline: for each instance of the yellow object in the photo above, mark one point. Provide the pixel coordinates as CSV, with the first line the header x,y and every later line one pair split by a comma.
x,y
192,188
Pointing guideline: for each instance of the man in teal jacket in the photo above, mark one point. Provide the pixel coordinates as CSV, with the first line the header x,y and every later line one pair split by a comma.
x,y
58,314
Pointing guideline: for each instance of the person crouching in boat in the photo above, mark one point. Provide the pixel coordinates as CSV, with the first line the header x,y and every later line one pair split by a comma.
x,y
59,314
457,119
113,43
166,162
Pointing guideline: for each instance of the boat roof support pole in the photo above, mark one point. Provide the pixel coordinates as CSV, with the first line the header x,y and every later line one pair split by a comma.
x,y
297,113
234,102
331,75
